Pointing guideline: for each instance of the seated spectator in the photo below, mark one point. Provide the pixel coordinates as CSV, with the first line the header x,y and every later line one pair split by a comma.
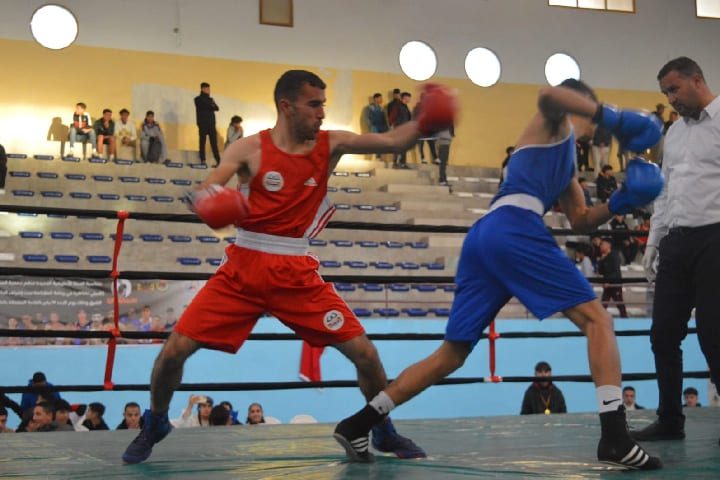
x,y
582,261
132,420
126,136
56,324
202,419
609,269
605,183
152,140
233,413
220,416
235,130
543,396
81,129
94,417
41,387
3,169
61,416
255,414
628,394
586,192
105,132
3,421
42,419
690,396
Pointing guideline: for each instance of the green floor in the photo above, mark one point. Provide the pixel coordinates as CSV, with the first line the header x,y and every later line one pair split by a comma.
x,y
560,446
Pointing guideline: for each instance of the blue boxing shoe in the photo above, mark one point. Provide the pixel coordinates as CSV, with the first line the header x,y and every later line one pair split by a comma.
x,y
386,439
155,428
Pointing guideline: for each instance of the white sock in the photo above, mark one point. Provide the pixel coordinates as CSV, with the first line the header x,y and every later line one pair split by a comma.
x,y
609,398
382,403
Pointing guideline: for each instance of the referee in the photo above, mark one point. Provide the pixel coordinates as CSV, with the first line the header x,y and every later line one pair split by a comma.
x,y
685,231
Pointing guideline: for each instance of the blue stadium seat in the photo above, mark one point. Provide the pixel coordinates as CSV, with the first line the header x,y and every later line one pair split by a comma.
x,y
156,180
421,287
122,161
393,244
67,258
189,261
351,189
387,312
441,312
342,243
181,182
388,208
229,239
163,198
43,157
399,287
415,312
71,159
109,196
31,235
180,238
17,156
383,265
215,262
35,257
367,244
343,206
75,176
92,236
372,287
23,193
127,237
61,235
151,237
173,165
316,242
417,244
356,264
99,259
365,207
47,175
448,288
102,178
345,287
330,264
207,239
81,195
199,166
97,160
130,179
136,198
51,194
19,174
362,312
434,266
408,265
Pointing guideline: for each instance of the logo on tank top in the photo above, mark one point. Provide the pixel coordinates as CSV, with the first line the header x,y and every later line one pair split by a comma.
x,y
273,181
334,320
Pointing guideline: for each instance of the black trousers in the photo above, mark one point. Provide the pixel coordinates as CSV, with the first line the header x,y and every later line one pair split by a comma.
x,y
212,133
444,155
615,294
431,144
688,277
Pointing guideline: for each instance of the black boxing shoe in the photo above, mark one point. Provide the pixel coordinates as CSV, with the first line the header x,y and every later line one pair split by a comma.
x,y
661,430
353,433
618,449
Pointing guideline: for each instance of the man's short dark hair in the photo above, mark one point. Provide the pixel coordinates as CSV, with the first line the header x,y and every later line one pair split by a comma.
x,y
580,87
47,406
149,112
686,67
3,411
690,391
543,366
204,85
376,95
124,110
81,104
236,119
605,168
510,149
62,406
39,377
98,408
628,389
130,405
405,94
582,180
396,91
106,110
219,416
291,82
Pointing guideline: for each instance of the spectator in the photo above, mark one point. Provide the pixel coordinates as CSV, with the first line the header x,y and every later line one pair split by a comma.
x,y
601,141
629,399
392,107
105,132
255,414
376,119
81,129
444,138
402,116
220,416
3,421
622,241
145,324
543,396
61,416
582,261
430,141
582,153
595,254
641,242
170,318
205,108
132,420
42,419
235,130
41,387
233,413
7,402
56,324
126,136
13,324
586,191
27,324
202,419
605,183
690,396
94,417
673,118
609,269
503,168
3,169
152,140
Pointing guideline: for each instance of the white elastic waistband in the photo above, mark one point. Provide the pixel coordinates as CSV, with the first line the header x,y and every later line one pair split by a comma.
x,y
520,200
263,242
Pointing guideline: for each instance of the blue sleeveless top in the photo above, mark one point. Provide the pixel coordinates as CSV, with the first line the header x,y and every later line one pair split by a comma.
x,y
543,171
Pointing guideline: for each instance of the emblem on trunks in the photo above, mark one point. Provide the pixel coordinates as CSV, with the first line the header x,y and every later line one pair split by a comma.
x,y
273,181
334,320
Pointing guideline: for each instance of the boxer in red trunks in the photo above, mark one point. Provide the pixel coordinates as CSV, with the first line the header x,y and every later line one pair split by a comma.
x,y
268,268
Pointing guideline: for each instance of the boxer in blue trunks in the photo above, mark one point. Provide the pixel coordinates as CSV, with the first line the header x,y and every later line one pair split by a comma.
x,y
509,252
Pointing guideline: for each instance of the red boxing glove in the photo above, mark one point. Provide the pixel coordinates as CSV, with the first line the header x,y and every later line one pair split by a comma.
x,y
438,108
219,207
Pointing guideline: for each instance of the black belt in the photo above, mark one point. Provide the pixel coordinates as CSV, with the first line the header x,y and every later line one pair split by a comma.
x,y
689,230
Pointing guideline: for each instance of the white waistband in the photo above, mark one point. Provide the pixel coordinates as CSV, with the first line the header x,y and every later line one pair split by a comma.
x,y
520,200
276,244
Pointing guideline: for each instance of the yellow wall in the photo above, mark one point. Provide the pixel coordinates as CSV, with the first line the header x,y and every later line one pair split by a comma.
x,y
40,84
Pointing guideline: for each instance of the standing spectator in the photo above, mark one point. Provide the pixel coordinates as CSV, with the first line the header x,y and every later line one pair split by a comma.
x,y
94,417
586,191
503,168
690,396
376,119
609,269
105,132
40,387
444,138
205,108
601,141
582,153
543,396
392,107
402,116
430,141
686,232
126,135
3,169
132,420
152,140
629,397
622,241
255,414
605,183
235,130
3,421
81,129
673,118
641,242
582,261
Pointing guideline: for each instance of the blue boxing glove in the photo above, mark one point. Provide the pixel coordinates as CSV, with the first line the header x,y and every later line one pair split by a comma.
x,y
636,131
643,183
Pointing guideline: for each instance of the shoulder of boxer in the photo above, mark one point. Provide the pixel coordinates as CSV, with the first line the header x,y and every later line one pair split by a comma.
x,y
242,155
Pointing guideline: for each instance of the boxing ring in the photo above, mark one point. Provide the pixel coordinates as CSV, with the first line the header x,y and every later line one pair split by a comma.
x,y
557,446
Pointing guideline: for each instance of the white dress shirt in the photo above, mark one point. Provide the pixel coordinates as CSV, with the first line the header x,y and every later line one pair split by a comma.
x,y
691,164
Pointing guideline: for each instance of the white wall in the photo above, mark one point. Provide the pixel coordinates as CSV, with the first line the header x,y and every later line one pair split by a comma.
x,y
615,50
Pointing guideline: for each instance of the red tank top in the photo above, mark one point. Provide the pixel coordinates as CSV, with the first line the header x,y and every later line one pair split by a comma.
x,y
288,195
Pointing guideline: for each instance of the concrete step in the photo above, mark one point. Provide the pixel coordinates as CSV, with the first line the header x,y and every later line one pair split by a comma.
x,y
424,205
408,188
